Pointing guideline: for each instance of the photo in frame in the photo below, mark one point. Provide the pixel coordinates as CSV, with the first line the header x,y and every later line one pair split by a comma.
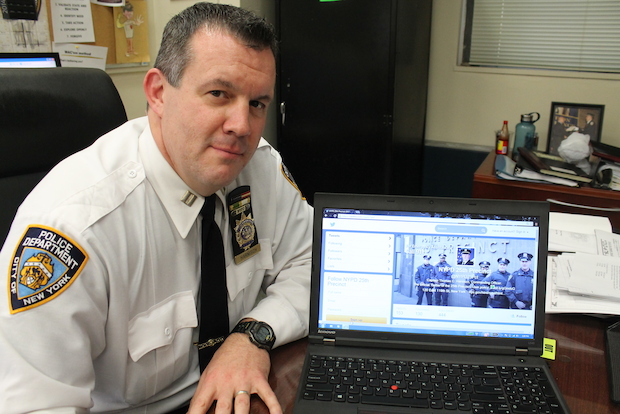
x,y
567,118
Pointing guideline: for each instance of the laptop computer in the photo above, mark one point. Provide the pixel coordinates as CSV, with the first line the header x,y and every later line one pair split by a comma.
x,y
412,285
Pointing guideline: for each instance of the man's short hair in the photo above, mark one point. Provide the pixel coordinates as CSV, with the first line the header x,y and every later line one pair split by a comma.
x,y
175,54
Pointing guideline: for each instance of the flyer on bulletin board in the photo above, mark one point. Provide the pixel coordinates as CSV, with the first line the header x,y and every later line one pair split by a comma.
x,y
72,21
131,32
81,56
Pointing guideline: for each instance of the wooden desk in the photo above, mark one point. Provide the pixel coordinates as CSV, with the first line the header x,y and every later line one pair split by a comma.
x,y
487,185
580,367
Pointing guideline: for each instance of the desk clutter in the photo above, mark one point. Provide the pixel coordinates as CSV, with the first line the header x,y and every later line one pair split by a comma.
x,y
540,167
577,161
583,268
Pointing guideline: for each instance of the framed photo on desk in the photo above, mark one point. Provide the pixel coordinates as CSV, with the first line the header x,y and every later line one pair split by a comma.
x,y
567,118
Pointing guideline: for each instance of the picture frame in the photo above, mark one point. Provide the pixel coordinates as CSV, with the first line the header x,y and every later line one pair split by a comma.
x,y
567,118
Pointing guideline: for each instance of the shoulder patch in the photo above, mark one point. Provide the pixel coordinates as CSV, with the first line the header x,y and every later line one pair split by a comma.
x,y
44,264
289,177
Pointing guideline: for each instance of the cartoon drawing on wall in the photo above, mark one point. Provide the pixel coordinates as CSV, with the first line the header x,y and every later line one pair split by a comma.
x,y
131,32
127,21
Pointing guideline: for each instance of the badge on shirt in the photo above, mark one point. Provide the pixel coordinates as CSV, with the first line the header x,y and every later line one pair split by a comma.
x,y
244,237
45,263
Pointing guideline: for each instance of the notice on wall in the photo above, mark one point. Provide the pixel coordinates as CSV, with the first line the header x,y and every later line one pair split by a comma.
x,y
72,21
81,56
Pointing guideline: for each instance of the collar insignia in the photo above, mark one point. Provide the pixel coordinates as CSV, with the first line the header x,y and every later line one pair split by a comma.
x,y
189,198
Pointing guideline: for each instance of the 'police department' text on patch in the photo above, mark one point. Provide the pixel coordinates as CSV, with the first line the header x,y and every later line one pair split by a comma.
x,y
45,263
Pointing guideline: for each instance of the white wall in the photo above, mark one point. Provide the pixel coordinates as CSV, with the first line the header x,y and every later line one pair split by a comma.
x,y
465,105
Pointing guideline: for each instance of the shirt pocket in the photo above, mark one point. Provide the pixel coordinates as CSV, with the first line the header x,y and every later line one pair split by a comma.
x,y
249,274
160,342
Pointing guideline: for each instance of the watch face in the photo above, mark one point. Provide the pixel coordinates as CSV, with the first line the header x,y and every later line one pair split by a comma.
x,y
263,334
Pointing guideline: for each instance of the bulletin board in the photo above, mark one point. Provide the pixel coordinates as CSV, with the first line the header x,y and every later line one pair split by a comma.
x,y
109,27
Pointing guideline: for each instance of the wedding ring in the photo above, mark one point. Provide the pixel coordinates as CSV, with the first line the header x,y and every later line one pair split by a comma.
x,y
241,392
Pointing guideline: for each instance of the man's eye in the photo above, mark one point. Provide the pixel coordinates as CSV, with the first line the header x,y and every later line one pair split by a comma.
x,y
217,94
257,104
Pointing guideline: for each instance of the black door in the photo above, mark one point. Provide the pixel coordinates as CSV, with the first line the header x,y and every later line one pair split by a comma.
x,y
336,93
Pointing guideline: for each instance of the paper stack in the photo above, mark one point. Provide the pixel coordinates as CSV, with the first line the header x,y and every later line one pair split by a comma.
x,y
585,276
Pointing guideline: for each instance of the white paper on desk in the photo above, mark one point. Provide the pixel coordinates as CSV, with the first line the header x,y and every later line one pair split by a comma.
x,y
575,232
570,241
562,271
607,244
81,56
594,275
561,301
72,21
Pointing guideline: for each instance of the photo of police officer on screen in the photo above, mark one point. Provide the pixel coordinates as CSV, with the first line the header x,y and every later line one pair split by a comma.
x,y
496,283
520,285
465,257
443,272
425,279
478,288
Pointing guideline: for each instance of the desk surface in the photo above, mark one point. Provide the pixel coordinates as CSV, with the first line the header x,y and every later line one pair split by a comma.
x,y
487,185
580,367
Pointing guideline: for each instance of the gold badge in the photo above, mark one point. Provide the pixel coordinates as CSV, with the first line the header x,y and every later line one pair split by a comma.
x,y
245,238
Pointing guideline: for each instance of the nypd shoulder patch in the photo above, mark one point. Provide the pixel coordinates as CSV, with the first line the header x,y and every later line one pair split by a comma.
x,y
289,177
45,263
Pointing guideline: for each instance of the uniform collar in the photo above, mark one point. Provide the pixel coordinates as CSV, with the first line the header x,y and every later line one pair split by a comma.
x,y
170,188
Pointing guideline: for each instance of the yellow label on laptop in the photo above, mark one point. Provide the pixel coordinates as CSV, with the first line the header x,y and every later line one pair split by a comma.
x,y
549,348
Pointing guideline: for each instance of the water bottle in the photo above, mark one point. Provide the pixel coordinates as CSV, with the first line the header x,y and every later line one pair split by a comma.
x,y
525,133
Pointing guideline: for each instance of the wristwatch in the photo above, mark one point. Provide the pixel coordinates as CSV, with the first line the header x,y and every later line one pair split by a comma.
x,y
260,333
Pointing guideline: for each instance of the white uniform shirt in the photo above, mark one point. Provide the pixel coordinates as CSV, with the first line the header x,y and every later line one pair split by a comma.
x,y
115,332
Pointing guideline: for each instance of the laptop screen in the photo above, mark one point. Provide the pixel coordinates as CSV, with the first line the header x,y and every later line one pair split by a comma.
x,y
29,60
429,272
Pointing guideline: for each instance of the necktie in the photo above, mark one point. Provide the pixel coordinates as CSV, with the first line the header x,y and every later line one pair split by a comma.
x,y
214,326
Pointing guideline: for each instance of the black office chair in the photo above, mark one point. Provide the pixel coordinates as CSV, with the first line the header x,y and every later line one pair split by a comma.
x,y
45,116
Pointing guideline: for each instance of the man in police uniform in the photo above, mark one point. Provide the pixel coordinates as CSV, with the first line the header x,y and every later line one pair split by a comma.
x,y
443,272
425,278
496,283
520,285
590,128
478,289
466,258
103,257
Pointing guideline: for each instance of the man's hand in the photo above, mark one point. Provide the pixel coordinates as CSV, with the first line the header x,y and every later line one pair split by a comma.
x,y
237,366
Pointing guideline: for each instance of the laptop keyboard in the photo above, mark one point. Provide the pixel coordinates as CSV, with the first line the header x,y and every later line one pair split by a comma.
x,y
479,389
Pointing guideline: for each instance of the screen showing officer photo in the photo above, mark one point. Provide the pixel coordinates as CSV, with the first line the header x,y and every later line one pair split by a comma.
x,y
437,274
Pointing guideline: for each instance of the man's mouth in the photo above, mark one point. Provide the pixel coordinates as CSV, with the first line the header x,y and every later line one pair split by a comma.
x,y
232,152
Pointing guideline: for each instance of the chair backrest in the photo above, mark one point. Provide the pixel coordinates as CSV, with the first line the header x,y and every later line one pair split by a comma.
x,y
45,116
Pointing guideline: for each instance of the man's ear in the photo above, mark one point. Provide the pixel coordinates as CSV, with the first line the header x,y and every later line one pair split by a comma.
x,y
153,84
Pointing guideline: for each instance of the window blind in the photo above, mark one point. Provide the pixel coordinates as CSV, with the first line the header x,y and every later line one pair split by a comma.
x,y
581,35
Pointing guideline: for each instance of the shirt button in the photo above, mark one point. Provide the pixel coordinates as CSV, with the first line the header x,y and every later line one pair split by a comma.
x,y
132,173
167,331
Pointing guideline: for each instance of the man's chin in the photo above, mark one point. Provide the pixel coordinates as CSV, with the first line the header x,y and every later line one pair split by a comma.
x,y
223,180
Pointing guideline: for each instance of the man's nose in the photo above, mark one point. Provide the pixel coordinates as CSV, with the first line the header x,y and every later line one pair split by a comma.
x,y
238,120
